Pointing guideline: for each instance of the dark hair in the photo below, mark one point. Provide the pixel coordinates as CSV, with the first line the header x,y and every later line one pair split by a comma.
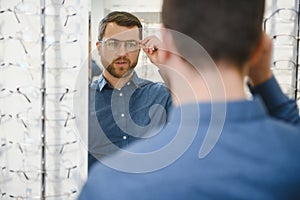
x,y
227,30
120,18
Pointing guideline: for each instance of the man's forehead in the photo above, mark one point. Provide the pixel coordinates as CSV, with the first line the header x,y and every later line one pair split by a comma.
x,y
113,30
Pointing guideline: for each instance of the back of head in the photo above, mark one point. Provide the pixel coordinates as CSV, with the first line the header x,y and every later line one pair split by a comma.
x,y
227,30
120,18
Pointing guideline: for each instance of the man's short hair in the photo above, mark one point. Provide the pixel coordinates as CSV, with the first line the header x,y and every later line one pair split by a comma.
x,y
229,30
120,18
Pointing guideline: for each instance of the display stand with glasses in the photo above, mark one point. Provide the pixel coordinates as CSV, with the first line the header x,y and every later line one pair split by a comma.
x,y
43,49
282,24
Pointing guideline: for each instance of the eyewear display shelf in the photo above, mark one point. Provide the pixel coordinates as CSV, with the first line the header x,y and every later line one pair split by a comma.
x,y
42,47
282,25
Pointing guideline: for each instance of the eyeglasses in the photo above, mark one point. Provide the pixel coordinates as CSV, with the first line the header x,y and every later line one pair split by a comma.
x,y
5,92
284,65
37,197
59,94
55,9
285,39
28,118
66,39
5,38
21,69
22,7
32,173
284,15
55,94
57,148
115,45
58,10
24,148
33,148
60,118
29,93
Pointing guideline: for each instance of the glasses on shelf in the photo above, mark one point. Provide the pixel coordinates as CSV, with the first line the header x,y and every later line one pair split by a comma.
x,y
18,67
285,39
55,9
10,10
115,45
5,92
61,173
64,195
60,40
26,8
29,145
284,64
59,94
51,67
23,148
26,172
33,173
59,148
61,118
6,38
284,15
27,118
59,9
30,93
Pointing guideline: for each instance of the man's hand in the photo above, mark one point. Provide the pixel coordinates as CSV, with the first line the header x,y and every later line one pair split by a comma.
x,y
260,67
153,48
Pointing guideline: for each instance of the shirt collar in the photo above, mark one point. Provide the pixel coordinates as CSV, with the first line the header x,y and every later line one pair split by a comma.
x,y
137,82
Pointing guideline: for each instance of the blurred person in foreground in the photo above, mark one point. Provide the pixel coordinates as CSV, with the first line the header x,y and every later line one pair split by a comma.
x,y
219,144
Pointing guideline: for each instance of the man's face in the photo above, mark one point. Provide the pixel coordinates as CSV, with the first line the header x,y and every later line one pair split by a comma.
x,y
119,49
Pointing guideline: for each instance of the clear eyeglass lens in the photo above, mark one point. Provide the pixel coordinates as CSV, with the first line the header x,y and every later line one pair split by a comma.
x,y
113,44
130,45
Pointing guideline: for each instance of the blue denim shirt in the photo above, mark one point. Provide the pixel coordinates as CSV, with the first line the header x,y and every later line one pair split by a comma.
x,y
256,156
126,115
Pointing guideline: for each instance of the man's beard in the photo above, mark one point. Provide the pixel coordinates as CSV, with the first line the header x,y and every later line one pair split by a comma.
x,y
112,70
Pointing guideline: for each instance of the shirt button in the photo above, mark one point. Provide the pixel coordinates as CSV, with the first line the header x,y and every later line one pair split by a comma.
x,y
122,115
121,94
128,83
124,137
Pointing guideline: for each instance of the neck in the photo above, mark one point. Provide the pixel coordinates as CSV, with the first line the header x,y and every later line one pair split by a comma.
x,y
224,84
115,82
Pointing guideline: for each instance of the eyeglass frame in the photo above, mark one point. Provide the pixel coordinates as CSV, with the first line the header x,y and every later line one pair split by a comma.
x,y
104,42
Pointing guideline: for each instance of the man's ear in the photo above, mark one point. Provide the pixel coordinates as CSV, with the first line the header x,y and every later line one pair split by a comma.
x,y
259,50
99,48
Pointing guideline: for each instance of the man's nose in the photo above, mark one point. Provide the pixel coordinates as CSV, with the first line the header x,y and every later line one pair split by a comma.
x,y
121,51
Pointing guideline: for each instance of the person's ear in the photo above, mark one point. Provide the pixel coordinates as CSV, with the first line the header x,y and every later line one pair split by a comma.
x,y
99,48
259,50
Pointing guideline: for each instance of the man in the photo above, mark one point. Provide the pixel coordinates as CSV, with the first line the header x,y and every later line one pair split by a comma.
x,y
126,106
255,155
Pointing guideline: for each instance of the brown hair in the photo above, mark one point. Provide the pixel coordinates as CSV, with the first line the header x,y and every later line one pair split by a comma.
x,y
120,18
228,30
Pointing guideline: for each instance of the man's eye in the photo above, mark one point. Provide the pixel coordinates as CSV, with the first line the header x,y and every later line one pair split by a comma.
x,y
132,44
113,44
